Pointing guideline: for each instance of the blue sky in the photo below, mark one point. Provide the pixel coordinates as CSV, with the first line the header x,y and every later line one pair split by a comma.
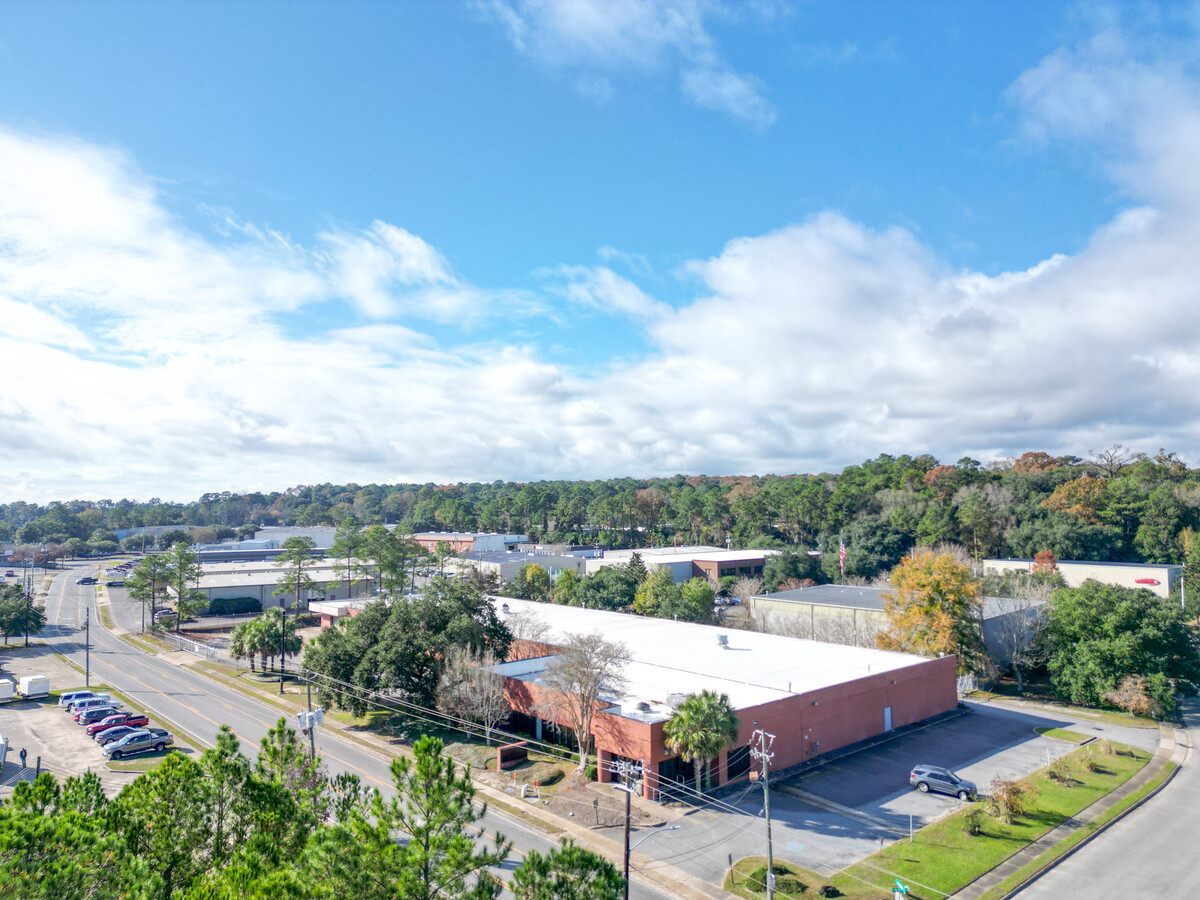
x,y
254,245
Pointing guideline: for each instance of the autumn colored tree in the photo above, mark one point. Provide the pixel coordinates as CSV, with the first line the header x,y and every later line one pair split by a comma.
x,y
1133,696
1085,498
933,609
1044,563
1035,461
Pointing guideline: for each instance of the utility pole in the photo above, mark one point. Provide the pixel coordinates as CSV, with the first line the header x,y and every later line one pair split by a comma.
x,y
762,752
626,770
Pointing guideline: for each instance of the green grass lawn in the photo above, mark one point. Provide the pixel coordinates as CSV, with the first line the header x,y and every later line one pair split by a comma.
x,y
1108,715
943,858
1061,734
1022,874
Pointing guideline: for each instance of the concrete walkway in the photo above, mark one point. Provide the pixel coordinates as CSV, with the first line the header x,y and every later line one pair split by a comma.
x,y
1173,747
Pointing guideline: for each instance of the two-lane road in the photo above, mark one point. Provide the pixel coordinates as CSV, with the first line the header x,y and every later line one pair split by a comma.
x,y
199,706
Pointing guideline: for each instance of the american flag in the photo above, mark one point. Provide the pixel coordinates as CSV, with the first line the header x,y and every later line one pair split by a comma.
x,y
842,557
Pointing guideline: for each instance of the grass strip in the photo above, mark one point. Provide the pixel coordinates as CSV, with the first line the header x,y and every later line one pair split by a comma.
x,y
1108,716
943,857
1061,734
1055,853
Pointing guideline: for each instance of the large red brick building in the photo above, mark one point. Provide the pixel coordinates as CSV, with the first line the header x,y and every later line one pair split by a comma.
x,y
814,697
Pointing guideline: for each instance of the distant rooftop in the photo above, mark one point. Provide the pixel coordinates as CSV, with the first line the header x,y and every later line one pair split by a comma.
x,y
853,597
1091,562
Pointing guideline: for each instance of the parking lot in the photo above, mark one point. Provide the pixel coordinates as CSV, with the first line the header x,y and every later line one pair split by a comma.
x,y
45,730
839,813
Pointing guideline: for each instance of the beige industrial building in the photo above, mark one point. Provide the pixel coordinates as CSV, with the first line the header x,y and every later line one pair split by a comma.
x,y
258,580
1160,579
855,615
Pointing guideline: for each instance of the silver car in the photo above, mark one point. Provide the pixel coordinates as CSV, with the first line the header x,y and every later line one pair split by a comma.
x,y
943,781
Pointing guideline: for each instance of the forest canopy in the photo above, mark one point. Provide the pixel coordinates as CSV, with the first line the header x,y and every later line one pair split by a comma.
x,y
1114,505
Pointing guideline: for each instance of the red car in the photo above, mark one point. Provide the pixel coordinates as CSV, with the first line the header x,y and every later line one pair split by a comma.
x,y
136,719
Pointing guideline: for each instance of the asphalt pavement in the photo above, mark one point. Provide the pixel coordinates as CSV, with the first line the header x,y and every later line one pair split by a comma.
x,y
165,688
1148,853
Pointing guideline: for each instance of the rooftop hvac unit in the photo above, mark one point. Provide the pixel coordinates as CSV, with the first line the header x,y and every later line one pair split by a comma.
x,y
674,700
723,641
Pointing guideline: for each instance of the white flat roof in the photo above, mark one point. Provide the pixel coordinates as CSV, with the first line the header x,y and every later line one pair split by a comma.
x,y
671,657
257,575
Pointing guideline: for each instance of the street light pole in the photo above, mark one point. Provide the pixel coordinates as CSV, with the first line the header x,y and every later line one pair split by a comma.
x,y
282,632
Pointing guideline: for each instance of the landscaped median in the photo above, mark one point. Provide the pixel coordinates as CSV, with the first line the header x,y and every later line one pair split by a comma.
x,y
946,856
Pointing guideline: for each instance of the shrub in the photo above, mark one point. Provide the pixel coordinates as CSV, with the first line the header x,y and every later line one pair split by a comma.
x,y
1106,747
231,606
590,771
1135,696
786,881
1058,771
828,890
1089,761
1009,799
973,821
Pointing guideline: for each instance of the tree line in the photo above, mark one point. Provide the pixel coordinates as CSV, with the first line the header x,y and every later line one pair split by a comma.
x,y
227,827
1115,504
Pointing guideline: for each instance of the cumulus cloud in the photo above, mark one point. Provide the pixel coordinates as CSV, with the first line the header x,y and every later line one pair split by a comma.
x,y
151,359
599,37
830,340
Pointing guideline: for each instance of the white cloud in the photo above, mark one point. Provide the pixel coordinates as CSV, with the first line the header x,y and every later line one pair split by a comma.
x,y
601,288
153,360
616,36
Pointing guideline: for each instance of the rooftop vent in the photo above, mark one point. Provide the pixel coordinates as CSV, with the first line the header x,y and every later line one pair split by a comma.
x,y
675,700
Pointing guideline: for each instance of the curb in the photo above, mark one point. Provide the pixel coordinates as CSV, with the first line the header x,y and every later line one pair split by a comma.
x,y
1087,840
1169,748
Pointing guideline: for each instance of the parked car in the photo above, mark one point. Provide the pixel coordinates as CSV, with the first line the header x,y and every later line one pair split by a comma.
x,y
95,714
66,698
114,582
10,574
108,735
84,705
80,697
943,781
161,614
139,742
135,720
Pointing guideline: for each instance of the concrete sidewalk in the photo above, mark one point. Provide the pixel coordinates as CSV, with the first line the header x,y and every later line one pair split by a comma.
x,y
1173,746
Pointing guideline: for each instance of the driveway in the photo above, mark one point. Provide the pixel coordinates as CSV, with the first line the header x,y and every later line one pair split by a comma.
x,y
847,809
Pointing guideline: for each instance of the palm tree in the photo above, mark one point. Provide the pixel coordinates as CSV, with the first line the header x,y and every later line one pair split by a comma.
x,y
241,643
701,727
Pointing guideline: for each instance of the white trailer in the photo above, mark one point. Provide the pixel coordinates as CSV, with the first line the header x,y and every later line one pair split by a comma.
x,y
34,686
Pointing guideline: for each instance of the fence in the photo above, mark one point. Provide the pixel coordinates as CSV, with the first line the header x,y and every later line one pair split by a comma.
x,y
196,648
